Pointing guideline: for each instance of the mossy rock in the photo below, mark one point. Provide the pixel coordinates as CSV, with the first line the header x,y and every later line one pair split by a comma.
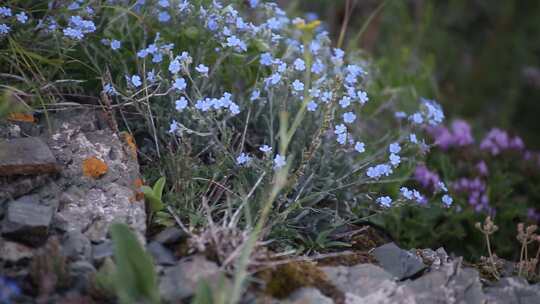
x,y
284,279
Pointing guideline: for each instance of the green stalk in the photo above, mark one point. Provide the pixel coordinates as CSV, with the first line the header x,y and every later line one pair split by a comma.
x,y
307,84
279,182
280,179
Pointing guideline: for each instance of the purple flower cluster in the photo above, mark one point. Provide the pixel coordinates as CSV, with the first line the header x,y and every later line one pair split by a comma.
x,y
497,141
532,157
426,178
533,215
482,168
475,188
458,135
431,181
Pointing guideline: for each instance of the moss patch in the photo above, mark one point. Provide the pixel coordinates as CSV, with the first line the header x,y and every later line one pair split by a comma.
x,y
285,279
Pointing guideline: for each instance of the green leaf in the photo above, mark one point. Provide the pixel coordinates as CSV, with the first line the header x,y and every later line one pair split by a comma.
x,y
104,279
158,187
155,203
337,244
164,219
260,45
204,294
192,32
135,277
322,237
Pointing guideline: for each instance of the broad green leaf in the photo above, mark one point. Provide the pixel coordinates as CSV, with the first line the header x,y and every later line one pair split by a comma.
x,y
135,277
155,203
158,187
204,294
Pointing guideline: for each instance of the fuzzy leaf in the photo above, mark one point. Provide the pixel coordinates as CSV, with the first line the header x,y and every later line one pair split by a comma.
x,y
158,187
135,277
155,203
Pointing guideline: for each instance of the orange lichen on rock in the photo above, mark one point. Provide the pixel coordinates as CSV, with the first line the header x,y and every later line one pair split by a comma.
x,y
130,142
21,117
94,167
138,184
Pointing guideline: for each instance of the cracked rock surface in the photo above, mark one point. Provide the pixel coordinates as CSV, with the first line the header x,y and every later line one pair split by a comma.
x,y
43,190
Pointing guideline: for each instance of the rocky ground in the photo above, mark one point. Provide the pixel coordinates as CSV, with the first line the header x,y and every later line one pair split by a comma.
x,y
64,180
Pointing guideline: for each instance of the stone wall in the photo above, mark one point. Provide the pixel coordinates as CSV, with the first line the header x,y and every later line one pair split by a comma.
x,y
67,176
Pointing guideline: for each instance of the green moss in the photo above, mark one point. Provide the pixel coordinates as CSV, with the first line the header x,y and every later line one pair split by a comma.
x,y
285,279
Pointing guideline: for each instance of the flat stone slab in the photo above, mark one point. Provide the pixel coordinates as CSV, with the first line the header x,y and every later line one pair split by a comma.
x,y
12,252
26,156
180,282
368,284
309,295
398,262
361,279
27,221
102,251
450,284
513,290
170,236
161,255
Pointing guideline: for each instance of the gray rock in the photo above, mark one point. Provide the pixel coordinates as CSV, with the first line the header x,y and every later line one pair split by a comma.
x,y
68,197
83,203
180,282
508,268
90,205
26,156
9,129
387,294
81,267
27,221
13,253
169,236
367,283
80,120
80,272
60,224
161,255
434,258
449,284
308,295
102,251
93,212
15,187
76,246
50,193
400,263
360,279
513,290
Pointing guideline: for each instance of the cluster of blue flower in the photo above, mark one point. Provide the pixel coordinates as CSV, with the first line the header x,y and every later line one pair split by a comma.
x,y
286,71
224,102
310,73
416,196
5,15
431,114
78,27
8,290
232,31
